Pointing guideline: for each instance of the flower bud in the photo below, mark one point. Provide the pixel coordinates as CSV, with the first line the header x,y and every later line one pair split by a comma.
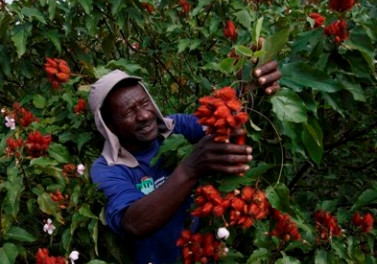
x,y
222,233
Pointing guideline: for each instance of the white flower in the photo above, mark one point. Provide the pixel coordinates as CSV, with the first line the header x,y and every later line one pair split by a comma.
x,y
80,169
74,256
222,232
10,122
49,227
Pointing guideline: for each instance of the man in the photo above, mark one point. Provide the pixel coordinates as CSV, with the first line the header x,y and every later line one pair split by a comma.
x,y
146,204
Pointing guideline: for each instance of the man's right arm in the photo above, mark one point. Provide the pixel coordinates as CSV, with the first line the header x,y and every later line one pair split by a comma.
x,y
151,212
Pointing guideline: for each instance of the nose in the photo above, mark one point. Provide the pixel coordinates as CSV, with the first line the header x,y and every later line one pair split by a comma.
x,y
143,114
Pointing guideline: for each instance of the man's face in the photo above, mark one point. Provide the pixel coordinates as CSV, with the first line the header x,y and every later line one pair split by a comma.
x,y
133,117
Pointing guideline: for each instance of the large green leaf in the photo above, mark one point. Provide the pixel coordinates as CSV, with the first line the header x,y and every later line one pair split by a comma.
x,y
228,184
289,107
53,36
48,206
320,256
272,45
298,76
368,196
312,137
59,153
244,18
35,13
20,36
8,253
279,197
14,186
87,5
256,31
19,234
259,255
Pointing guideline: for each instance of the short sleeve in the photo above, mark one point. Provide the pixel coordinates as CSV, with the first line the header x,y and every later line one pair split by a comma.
x,y
117,185
188,126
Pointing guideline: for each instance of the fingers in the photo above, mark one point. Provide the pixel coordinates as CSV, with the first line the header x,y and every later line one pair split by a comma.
x,y
272,89
270,78
235,169
266,68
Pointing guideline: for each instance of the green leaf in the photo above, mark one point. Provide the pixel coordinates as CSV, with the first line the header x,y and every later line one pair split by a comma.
x,y
19,234
183,44
272,45
278,197
287,259
227,65
359,40
53,36
43,162
85,211
169,146
87,5
298,75
244,18
14,186
231,183
244,51
256,31
48,206
257,256
8,253
288,106
312,137
320,256
59,153
124,65
32,12
368,196
39,101
51,9
19,38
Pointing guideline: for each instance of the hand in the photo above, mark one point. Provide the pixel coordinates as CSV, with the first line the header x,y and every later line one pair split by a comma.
x,y
209,156
267,75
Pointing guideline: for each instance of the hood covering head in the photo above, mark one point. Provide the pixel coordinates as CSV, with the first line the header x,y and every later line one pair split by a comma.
x,y
112,151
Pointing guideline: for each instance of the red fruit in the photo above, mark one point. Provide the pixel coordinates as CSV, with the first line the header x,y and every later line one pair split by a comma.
x,y
341,5
241,139
64,68
234,104
207,208
51,70
62,77
318,19
218,210
238,204
230,30
52,62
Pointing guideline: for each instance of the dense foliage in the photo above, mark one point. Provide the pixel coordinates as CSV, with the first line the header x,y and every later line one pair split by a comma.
x,y
310,195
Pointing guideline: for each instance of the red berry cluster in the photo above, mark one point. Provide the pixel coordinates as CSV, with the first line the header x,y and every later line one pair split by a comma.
x,y
60,199
244,207
22,116
248,206
326,225
318,19
185,6
69,169
364,222
341,5
42,257
37,144
230,30
338,29
12,146
208,200
80,106
148,7
221,113
202,248
285,228
57,71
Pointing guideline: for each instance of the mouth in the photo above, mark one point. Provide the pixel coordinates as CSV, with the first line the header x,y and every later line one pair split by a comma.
x,y
147,128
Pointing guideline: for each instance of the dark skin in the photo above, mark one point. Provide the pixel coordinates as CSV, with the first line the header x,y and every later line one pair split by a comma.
x,y
135,124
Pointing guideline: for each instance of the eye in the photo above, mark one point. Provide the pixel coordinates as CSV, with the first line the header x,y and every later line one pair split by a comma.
x,y
145,103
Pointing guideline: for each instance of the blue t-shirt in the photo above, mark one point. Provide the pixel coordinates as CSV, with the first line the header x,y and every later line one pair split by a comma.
x,y
123,185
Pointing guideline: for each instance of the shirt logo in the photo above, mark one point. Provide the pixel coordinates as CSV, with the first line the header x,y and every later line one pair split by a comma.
x,y
146,186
